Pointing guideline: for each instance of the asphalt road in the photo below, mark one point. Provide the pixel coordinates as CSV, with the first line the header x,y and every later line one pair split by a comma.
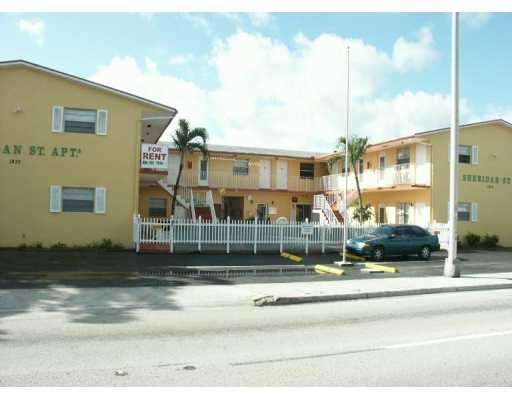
x,y
433,340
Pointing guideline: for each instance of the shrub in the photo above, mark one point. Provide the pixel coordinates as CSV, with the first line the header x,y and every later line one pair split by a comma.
x,y
363,213
490,241
22,246
58,246
38,245
472,239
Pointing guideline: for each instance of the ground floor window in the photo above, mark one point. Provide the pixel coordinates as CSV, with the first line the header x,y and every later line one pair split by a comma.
x,y
303,211
157,207
464,211
381,217
262,212
77,199
402,213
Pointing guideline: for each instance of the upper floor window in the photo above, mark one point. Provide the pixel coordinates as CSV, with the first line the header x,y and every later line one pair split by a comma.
x,y
465,154
307,170
241,167
77,120
403,156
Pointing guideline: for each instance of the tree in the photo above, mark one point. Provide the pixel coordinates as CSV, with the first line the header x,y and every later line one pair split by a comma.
x,y
186,141
357,148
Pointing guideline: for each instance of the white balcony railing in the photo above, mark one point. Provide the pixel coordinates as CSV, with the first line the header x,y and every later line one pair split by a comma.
x,y
400,174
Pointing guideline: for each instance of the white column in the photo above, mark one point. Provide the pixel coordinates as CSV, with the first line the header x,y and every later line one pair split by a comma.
x,y
451,268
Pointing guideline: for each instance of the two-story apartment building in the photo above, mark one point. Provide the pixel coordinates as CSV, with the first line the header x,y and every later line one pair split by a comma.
x,y
244,183
69,156
405,180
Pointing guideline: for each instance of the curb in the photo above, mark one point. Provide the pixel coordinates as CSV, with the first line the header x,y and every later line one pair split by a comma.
x,y
281,301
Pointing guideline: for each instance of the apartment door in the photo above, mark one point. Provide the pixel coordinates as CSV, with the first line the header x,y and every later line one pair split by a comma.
x,y
233,207
262,211
173,167
382,166
265,174
422,170
203,172
402,213
421,216
282,174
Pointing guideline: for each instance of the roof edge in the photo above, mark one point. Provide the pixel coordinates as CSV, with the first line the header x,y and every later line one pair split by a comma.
x,y
65,75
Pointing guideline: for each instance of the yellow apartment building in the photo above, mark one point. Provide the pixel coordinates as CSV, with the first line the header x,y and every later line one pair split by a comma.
x,y
405,180
69,156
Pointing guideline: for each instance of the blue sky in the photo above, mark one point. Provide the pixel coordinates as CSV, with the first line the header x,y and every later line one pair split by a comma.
x,y
279,79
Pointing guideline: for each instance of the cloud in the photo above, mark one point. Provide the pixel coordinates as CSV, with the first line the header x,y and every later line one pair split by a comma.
x,y
181,59
260,19
475,20
34,27
270,94
414,55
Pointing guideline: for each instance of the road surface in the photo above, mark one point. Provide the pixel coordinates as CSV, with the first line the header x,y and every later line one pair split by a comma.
x,y
431,340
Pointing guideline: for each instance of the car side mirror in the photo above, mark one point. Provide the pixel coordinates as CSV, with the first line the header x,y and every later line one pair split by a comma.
x,y
392,235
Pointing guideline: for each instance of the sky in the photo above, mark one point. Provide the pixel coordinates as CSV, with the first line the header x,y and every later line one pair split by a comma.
x,y
279,79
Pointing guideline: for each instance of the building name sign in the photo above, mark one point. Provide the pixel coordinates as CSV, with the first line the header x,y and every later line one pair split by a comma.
x,y
506,180
14,150
154,156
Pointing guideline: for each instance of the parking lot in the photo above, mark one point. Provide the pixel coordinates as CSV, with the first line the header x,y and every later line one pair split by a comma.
x,y
124,268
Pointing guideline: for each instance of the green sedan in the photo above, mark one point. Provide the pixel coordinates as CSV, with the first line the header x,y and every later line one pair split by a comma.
x,y
389,240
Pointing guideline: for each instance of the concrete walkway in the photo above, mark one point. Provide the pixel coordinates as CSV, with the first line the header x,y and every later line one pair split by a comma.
x,y
278,294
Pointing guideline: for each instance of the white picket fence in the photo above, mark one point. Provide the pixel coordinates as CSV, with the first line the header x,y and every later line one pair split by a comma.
x,y
233,235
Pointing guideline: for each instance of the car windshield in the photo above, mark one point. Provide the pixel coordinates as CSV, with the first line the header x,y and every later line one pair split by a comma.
x,y
383,231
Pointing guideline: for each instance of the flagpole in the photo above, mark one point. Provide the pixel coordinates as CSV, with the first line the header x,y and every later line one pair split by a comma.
x,y
451,268
345,194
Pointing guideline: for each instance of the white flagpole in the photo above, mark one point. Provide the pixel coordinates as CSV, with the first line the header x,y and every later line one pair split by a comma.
x,y
451,268
345,208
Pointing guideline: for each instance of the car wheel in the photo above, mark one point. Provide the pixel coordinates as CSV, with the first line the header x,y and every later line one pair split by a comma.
x,y
378,253
425,253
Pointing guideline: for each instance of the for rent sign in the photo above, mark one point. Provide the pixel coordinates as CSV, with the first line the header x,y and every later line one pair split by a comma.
x,y
154,156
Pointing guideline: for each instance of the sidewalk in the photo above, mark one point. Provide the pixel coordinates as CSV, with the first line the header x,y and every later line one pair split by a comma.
x,y
313,292
186,296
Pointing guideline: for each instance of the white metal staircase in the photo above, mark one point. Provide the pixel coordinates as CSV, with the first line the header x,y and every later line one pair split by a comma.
x,y
324,210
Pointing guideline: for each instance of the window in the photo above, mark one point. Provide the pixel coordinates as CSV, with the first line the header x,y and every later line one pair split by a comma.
x,y
464,211
417,231
241,167
77,199
307,170
382,214
403,231
79,121
262,212
157,207
403,156
303,212
465,154
203,170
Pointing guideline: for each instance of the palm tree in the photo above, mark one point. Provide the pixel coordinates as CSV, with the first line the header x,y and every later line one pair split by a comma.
x,y
357,148
186,141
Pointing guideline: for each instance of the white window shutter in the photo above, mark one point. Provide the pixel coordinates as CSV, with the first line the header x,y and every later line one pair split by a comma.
x,y
474,212
100,200
55,199
101,122
474,154
57,119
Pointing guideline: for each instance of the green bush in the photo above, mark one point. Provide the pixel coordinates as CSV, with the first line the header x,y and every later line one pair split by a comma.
x,y
38,245
472,240
58,246
22,246
490,241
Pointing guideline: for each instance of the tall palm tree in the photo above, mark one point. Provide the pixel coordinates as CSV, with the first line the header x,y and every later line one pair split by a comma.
x,y
357,148
187,140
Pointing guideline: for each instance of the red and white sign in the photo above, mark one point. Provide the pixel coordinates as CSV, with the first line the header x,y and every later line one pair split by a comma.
x,y
154,156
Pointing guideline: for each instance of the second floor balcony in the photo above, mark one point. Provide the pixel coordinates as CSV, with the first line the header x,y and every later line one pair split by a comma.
x,y
396,176
227,180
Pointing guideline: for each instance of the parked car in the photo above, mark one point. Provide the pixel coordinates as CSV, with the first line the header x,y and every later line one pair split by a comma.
x,y
394,240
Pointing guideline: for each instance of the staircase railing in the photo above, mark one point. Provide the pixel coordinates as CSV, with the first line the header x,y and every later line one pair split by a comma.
x,y
321,204
192,206
209,200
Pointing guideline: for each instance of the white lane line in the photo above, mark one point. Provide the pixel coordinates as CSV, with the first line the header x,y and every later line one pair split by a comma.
x,y
446,340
